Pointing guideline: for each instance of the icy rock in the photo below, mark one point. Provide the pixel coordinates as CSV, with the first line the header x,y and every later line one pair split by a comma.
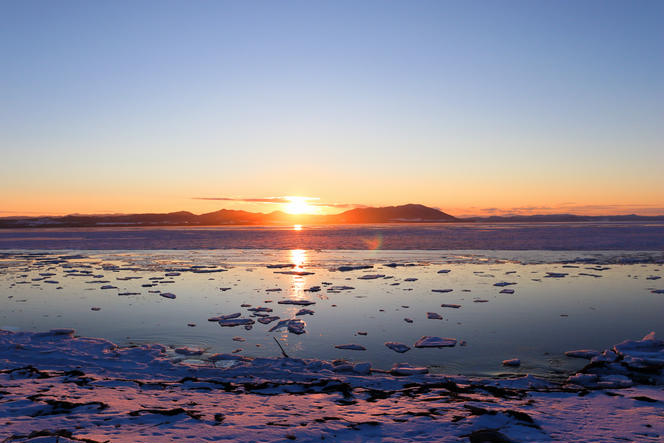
x,y
267,320
434,316
582,353
405,369
512,362
362,368
397,347
428,341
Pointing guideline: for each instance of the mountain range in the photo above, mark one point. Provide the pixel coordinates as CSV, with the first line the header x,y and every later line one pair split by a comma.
x,y
410,213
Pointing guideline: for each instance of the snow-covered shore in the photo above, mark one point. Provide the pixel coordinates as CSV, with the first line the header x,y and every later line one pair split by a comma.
x,y
58,387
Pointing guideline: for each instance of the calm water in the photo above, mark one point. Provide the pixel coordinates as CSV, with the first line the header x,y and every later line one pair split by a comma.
x,y
590,307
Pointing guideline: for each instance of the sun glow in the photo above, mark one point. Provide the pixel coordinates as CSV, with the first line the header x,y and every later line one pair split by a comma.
x,y
299,205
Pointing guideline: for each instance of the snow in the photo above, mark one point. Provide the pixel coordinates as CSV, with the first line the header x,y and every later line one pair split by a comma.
x,y
60,387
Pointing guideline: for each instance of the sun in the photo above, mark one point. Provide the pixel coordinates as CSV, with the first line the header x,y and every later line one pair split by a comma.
x,y
299,205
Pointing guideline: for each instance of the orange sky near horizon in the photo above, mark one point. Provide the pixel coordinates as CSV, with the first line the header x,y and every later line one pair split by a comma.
x,y
134,107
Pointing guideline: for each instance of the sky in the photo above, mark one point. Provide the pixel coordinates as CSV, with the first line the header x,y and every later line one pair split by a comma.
x,y
473,107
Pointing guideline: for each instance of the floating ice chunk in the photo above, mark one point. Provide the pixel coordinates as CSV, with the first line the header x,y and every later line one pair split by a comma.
x,y
555,275
585,380
442,291
351,347
450,305
605,357
219,357
296,302
225,317
313,289
408,320
362,368
428,341
370,276
480,300
109,287
582,353
657,291
410,279
124,294
189,351
340,288
281,266
405,369
260,309
300,273
167,295
273,290
353,268
267,320
512,362
504,283
236,322
362,332
296,326
397,347
615,381
95,308
239,339
305,311
434,316
507,291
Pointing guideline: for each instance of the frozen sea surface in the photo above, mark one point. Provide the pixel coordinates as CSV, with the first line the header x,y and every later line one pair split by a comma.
x,y
513,236
562,301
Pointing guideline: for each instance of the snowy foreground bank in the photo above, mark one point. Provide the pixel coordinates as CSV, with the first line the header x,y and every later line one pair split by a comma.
x,y
57,387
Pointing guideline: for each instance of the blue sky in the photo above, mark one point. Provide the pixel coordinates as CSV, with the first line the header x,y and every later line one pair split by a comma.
x,y
127,106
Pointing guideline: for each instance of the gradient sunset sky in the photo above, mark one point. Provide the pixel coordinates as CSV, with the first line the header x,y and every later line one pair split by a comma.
x,y
475,107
